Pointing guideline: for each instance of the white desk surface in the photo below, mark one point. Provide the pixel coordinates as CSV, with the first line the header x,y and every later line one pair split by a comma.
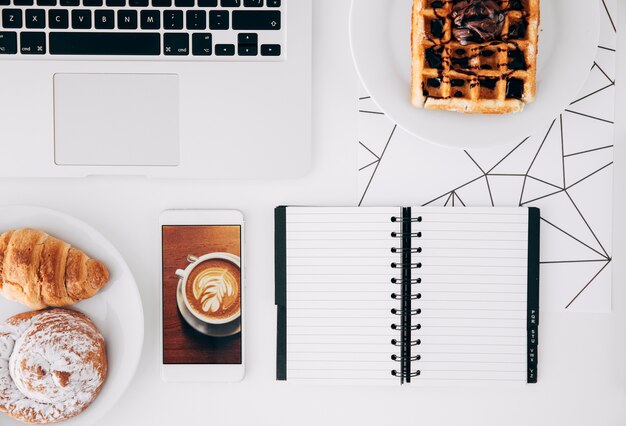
x,y
582,357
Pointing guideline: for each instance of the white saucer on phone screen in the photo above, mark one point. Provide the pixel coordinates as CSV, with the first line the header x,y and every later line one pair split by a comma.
x,y
380,40
116,310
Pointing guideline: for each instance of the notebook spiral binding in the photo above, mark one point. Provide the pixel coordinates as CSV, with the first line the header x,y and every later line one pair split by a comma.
x,y
406,296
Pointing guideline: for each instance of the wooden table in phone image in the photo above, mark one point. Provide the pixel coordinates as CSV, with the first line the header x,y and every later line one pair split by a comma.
x,y
181,343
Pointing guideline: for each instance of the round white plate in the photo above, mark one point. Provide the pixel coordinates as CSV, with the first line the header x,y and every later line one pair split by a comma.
x,y
116,309
380,39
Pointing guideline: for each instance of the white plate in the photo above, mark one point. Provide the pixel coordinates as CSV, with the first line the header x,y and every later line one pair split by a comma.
x,y
116,309
380,39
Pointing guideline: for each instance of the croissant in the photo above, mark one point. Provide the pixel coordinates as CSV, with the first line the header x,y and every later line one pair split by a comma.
x,y
39,271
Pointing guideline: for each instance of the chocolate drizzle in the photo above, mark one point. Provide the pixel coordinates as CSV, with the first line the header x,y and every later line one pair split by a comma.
x,y
477,21
458,69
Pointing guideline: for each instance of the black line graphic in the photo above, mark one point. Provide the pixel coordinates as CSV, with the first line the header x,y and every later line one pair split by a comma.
x,y
562,149
589,116
527,154
507,156
572,237
604,72
582,290
378,164
589,150
372,152
369,165
587,223
371,112
593,93
589,175
609,15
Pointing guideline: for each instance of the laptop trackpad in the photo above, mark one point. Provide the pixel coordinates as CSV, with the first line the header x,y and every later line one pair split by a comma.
x,y
116,120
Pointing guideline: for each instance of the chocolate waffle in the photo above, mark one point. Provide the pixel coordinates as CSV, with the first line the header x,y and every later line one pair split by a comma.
x,y
474,56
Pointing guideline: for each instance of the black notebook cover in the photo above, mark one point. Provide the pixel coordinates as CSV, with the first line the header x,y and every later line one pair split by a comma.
x,y
280,271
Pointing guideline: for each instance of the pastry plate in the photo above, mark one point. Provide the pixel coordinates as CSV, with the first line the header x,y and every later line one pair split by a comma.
x,y
116,309
380,40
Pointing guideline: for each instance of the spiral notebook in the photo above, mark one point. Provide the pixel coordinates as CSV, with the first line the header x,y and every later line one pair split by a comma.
x,y
419,295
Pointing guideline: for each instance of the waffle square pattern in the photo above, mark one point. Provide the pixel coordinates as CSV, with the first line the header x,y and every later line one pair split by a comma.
x,y
474,56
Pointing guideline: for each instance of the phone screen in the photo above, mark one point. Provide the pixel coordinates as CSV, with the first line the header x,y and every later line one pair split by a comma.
x,y
202,294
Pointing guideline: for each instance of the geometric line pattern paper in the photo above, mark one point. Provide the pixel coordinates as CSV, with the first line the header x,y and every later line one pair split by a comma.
x,y
565,170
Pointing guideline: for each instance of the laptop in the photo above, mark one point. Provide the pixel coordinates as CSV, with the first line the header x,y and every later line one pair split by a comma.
x,y
158,88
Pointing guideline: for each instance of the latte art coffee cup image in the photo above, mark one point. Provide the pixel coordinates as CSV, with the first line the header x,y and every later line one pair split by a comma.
x,y
202,294
212,290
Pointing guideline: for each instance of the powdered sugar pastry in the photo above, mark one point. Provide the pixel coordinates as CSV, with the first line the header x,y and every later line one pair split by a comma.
x,y
52,365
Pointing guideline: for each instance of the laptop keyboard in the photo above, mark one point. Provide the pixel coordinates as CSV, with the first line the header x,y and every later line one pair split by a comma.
x,y
199,29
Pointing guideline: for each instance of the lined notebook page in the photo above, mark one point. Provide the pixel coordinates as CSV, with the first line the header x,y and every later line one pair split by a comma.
x,y
473,294
339,295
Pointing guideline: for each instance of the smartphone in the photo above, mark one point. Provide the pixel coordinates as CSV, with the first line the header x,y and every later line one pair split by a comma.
x,y
202,295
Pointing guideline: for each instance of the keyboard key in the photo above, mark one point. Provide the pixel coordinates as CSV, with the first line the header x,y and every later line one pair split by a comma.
x,y
138,3
196,20
162,3
150,19
105,19
202,44
35,18
81,19
92,3
256,20
173,19
248,50
22,2
253,3
95,43
69,3
184,3
5,2
127,19
219,20
231,3
270,50
8,43
33,43
46,2
273,3
58,19
248,38
207,3
176,44
225,49
116,3
12,18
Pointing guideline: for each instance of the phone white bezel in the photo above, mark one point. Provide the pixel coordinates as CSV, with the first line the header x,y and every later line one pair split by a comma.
x,y
202,372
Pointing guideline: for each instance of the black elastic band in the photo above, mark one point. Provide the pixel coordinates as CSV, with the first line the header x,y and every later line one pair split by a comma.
x,y
280,270
407,235
532,314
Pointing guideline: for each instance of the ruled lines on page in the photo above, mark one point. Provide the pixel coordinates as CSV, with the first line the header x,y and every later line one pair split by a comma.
x,y
339,295
472,296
